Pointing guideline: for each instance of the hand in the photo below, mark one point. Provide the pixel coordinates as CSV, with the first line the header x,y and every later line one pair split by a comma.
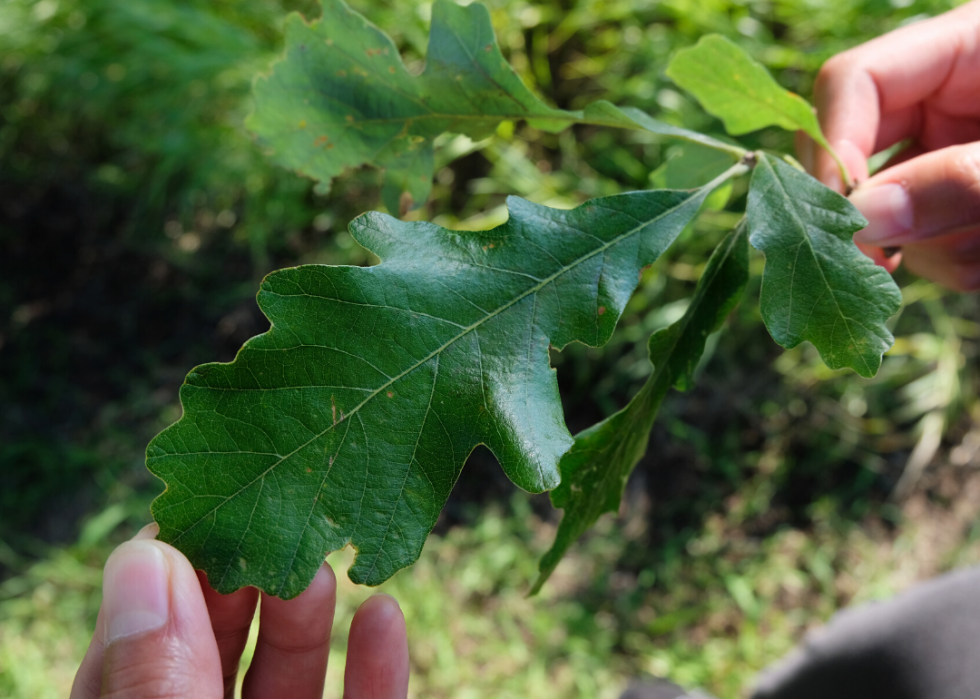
x,y
920,82
162,632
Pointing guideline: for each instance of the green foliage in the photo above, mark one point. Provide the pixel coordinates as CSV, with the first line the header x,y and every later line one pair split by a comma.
x,y
342,97
817,285
770,475
293,450
594,471
289,452
740,91
730,85
145,101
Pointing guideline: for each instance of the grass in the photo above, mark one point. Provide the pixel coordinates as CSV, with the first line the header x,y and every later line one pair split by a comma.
x,y
708,615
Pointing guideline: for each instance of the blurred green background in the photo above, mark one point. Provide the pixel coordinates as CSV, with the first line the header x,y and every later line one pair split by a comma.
x,y
137,216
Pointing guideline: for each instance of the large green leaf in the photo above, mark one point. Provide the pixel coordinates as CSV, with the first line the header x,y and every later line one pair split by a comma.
x,y
817,285
349,421
739,91
595,470
342,98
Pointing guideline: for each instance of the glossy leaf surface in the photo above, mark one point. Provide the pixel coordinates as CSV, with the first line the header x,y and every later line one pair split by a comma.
x,y
350,420
594,472
817,285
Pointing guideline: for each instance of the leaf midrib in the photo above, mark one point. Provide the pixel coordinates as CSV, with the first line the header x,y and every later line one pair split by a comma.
x,y
532,290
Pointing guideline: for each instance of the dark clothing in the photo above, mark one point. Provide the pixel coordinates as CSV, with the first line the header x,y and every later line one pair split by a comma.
x,y
922,644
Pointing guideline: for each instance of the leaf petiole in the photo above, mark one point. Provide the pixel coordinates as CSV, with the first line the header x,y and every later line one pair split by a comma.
x,y
746,163
846,178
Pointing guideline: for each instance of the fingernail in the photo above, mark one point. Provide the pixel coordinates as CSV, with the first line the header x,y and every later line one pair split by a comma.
x,y
150,531
135,590
888,209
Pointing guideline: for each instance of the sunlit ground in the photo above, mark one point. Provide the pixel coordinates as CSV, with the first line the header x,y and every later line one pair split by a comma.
x,y
710,617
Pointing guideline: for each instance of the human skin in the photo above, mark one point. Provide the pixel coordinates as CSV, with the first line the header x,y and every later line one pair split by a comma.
x,y
920,82
162,632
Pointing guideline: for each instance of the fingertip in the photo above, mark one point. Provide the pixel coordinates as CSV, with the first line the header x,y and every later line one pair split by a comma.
x,y
888,209
321,589
325,580
891,262
381,609
136,590
377,655
889,259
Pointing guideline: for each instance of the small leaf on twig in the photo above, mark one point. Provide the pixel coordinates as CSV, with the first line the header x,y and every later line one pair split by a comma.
x,y
817,285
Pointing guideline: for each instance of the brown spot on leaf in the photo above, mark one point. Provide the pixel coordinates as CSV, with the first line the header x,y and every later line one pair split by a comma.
x,y
390,394
602,309
320,140
488,48
391,69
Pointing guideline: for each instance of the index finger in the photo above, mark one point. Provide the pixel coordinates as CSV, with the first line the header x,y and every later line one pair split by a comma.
x,y
871,97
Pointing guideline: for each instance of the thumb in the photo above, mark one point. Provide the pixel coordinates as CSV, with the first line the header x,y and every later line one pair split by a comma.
x,y
158,637
926,197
